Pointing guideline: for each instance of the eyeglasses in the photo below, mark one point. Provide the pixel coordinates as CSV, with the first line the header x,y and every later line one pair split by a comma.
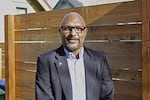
x,y
78,29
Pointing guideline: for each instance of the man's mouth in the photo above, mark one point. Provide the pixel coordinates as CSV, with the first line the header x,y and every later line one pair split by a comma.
x,y
73,40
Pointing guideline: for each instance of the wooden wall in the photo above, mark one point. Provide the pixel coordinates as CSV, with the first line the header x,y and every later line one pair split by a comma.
x,y
113,28
146,49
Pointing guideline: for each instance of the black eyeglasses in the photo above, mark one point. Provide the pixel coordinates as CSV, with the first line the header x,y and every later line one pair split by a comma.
x,y
77,29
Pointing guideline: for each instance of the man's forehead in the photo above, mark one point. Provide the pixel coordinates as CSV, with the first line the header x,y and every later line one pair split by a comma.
x,y
73,16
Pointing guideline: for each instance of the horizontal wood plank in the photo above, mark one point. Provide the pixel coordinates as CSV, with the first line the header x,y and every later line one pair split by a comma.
x,y
112,32
127,74
116,48
25,92
31,66
128,89
29,51
133,63
126,97
38,35
22,98
25,78
2,45
124,13
115,32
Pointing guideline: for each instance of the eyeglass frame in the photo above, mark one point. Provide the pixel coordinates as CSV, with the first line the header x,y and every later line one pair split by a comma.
x,y
78,29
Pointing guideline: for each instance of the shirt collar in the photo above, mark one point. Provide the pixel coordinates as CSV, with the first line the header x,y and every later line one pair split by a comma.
x,y
72,56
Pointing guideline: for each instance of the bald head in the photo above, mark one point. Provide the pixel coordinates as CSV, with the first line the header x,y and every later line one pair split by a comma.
x,y
73,16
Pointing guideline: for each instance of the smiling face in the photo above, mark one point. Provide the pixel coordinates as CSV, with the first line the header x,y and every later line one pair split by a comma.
x,y
73,32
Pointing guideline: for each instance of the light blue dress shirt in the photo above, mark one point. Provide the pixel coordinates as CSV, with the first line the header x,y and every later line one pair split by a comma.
x,y
77,74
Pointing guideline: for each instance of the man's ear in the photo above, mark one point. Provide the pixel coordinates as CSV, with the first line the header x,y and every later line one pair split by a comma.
x,y
86,30
59,30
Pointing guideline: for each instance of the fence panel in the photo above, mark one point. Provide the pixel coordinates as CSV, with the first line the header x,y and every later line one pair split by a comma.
x,y
115,30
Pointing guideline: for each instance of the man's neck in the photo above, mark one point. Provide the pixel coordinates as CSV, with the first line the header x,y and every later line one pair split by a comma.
x,y
76,53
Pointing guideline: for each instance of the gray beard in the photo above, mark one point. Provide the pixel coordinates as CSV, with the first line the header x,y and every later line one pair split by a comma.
x,y
71,49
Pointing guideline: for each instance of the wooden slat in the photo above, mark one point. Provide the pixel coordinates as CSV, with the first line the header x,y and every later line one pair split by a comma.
x,y
130,62
3,73
22,98
38,35
116,47
2,45
31,66
127,89
3,63
112,32
127,74
53,18
25,92
25,78
124,13
126,97
10,57
23,54
115,32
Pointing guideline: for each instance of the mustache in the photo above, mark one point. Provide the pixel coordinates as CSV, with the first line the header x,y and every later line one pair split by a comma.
x,y
72,38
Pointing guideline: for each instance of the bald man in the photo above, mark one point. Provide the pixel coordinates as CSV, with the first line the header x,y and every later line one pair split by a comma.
x,y
73,71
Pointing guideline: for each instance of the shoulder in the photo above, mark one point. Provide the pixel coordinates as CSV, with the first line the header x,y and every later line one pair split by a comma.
x,y
52,53
95,54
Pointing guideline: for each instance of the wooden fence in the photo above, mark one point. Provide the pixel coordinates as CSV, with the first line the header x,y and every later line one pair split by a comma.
x,y
115,29
2,61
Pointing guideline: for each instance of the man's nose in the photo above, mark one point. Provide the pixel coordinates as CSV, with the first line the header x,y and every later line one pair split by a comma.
x,y
73,32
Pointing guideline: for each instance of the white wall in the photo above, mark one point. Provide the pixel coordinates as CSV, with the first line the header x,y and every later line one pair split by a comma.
x,y
8,7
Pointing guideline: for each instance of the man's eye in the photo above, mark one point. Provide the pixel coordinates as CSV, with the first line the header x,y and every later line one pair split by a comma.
x,y
65,27
80,28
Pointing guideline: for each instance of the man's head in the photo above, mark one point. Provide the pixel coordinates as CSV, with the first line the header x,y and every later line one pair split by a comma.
x,y
73,31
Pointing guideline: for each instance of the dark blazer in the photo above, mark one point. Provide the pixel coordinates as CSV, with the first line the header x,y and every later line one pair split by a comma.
x,y
53,81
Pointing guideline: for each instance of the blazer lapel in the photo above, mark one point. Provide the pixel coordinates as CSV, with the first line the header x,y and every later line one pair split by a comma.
x,y
63,72
90,73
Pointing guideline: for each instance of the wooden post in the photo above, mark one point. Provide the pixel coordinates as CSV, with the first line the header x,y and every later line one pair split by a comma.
x,y
145,50
10,57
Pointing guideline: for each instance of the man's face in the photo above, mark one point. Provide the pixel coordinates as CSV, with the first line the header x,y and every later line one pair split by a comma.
x,y
73,32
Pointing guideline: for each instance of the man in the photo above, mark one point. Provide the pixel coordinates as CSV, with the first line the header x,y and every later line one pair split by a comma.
x,y
73,72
